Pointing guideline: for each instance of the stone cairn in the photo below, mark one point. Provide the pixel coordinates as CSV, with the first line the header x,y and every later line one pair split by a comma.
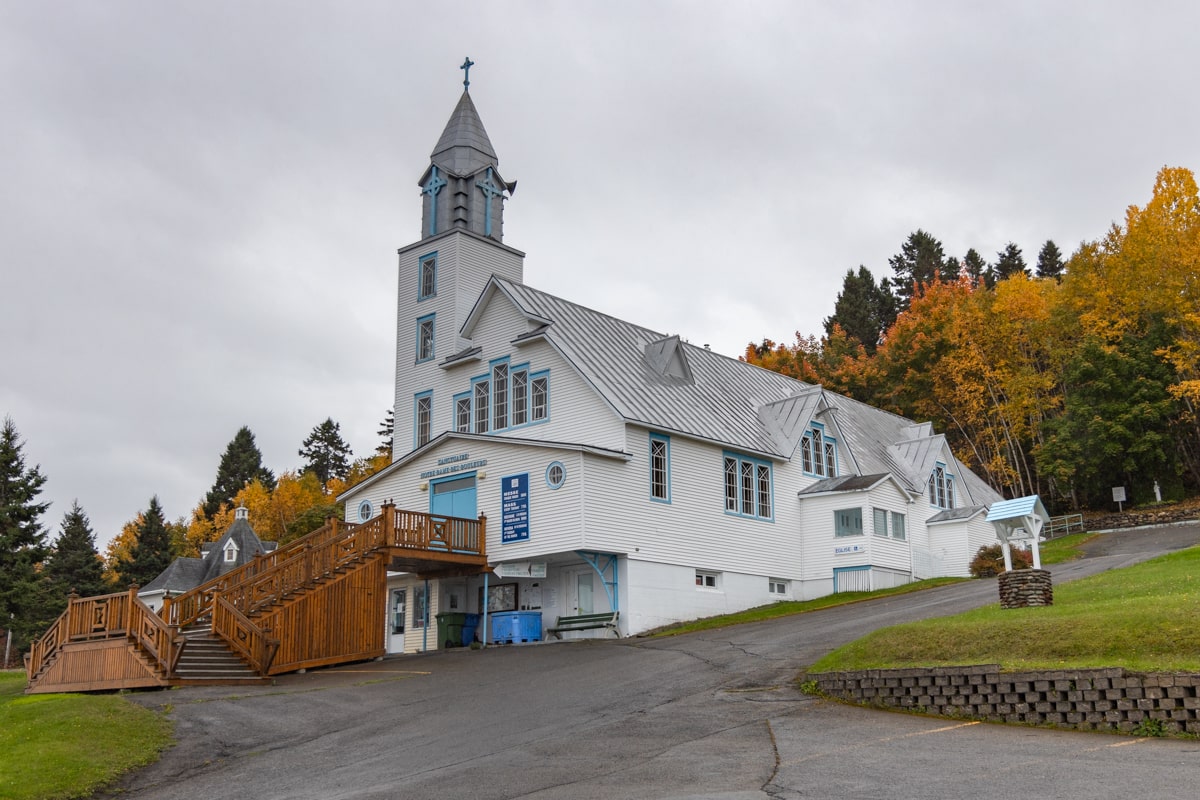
x,y
1026,587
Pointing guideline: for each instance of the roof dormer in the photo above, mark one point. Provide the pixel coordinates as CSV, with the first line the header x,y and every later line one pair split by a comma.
x,y
666,357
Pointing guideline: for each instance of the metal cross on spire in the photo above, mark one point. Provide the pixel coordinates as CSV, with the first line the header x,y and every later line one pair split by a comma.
x,y
466,68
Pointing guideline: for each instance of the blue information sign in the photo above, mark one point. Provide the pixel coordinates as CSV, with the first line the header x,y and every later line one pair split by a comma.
x,y
514,506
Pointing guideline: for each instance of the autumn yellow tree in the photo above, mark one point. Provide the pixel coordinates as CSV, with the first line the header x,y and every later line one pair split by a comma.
x,y
1139,284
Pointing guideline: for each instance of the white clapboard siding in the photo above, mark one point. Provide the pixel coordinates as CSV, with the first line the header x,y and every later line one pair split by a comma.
x,y
693,529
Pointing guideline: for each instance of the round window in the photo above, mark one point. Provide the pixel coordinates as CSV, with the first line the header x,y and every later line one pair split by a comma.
x,y
556,474
365,511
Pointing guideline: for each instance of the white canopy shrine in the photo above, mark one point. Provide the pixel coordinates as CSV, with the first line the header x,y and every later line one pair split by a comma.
x,y
1018,520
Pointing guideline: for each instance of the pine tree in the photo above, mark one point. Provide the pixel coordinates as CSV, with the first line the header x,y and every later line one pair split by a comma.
x,y
921,260
1050,263
241,463
327,454
1009,262
74,563
26,601
387,431
864,309
151,553
974,265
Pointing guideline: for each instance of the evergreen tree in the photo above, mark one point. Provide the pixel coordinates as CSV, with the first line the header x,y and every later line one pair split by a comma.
x,y
327,454
864,309
1009,262
151,552
26,601
974,265
241,463
1050,263
74,562
387,431
1116,425
920,261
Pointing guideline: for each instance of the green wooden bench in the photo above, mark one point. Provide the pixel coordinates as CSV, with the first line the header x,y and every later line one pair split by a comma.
x,y
584,622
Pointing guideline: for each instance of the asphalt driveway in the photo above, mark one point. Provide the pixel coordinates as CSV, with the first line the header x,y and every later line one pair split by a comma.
x,y
713,714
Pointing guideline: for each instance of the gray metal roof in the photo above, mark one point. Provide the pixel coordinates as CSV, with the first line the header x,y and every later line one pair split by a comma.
x,y
727,401
719,403
464,148
180,575
184,574
844,483
955,514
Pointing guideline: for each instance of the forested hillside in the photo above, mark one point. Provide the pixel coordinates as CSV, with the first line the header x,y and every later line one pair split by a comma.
x,y
1064,380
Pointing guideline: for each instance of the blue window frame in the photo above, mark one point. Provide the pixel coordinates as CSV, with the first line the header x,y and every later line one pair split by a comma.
x,y
427,276
506,396
556,474
425,334
539,396
422,418
500,394
481,393
520,396
848,522
660,468
462,412
818,452
749,487
941,487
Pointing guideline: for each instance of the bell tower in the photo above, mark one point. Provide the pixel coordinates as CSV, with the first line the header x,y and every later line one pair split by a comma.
x,y
462,188
442,274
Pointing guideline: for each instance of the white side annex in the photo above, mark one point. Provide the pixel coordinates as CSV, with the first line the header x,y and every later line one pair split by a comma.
x,y
622,469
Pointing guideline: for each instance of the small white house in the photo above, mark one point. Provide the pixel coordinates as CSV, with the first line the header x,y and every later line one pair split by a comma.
x,y
237,546
621,468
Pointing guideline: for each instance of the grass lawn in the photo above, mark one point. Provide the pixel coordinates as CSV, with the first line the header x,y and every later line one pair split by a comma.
x,y
68,745
1064,548
1142,618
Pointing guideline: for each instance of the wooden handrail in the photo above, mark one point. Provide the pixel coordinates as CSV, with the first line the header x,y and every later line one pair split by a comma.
x,y
233,599
251,641
153,635
109,616
190,606
268,579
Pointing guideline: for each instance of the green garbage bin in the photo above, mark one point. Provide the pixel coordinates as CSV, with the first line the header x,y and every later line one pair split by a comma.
x,y
450,628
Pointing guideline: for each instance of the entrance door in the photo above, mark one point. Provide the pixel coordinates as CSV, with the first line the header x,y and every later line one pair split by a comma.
x,y
454,497
583,592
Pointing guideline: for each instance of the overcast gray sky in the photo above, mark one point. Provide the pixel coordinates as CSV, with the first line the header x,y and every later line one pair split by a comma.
x,y
200,202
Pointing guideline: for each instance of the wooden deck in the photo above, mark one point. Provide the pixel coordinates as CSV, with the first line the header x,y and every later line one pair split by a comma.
x,y
317,601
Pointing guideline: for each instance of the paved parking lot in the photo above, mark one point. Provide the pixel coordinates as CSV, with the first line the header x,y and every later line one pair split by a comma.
x,y
713,714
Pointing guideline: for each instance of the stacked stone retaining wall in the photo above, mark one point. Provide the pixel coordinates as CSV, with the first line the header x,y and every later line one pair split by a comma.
x,y
1094,699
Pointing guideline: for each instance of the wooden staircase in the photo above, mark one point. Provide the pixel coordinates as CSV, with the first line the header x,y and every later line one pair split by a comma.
x,y
207,660
317,601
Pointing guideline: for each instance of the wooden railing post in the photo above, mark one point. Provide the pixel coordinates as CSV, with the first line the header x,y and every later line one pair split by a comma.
x,y
68,623
483,534
389,523
127,616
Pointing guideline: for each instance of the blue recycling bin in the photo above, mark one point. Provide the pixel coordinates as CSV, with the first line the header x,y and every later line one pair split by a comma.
x,y
469,625
515,627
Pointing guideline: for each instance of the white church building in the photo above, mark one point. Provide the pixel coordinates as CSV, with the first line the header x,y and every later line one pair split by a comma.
x,y
621,468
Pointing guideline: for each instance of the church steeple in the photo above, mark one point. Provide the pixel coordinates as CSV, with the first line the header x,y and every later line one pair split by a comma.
x,y
462,187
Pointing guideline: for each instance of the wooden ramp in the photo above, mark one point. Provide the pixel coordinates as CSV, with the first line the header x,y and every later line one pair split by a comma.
x,y
318,601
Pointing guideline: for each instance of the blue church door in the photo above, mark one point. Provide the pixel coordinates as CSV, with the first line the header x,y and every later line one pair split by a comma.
x,y
454,497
